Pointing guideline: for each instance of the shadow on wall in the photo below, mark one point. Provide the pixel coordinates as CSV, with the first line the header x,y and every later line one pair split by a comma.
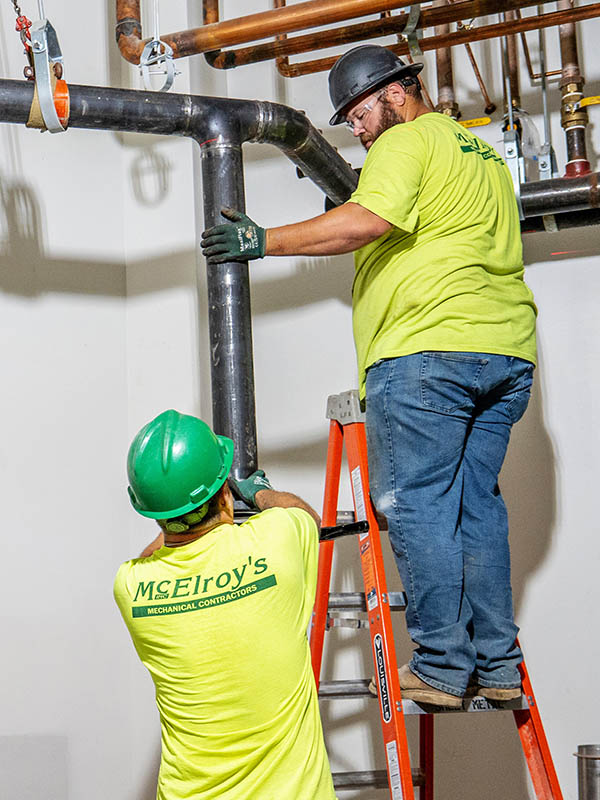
x,y
528,484
147,789
25,269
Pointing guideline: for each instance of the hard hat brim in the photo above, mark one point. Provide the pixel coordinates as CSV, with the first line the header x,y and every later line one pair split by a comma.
x,y
406,70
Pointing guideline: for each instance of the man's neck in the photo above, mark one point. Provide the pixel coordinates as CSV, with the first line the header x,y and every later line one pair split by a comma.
x,y
414,109
181,539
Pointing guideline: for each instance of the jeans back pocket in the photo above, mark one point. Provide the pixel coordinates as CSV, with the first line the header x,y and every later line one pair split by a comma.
x,y
449,380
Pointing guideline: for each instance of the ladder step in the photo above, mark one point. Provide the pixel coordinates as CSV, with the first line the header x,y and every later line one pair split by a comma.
x,y
330,690
373,778
354,688
347,601
344,517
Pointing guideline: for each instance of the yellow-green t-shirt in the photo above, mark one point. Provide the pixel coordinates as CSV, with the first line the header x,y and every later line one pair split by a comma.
x,y
449,274
221,625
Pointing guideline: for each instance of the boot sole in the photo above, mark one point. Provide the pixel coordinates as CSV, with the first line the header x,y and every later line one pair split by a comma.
x,y
432,697
498,694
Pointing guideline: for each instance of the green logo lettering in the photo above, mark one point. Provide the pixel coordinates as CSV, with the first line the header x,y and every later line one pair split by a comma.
x,y
143,588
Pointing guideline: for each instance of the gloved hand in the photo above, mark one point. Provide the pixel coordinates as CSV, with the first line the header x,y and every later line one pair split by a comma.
x,y
238,240
247,488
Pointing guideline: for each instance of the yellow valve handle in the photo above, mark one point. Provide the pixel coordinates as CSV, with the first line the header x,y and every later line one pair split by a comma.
x,y
590,101
476,123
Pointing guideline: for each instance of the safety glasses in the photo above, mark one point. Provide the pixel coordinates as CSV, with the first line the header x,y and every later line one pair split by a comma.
x,y
359,117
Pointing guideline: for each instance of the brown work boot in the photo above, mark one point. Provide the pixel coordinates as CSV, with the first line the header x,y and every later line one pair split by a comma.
x,y
495,693
491,692
413,688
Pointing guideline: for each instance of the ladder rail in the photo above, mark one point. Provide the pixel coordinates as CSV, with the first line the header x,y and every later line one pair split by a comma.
x,y
318,621
380,619
535,745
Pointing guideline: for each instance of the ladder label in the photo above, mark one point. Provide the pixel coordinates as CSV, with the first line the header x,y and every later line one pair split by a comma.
x,y
372,601
394,770
359,497
384,693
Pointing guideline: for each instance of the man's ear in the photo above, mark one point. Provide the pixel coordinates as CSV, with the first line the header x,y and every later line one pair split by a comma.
x,y
396,93
224,497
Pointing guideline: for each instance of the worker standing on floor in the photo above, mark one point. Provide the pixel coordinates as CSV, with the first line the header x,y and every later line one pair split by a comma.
x,y
218,614
444,328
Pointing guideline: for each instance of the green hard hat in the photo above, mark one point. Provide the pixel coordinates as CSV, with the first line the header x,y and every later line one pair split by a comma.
x,y
175,464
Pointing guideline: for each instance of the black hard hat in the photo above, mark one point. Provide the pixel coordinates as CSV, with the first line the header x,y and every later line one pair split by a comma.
x,y
362,69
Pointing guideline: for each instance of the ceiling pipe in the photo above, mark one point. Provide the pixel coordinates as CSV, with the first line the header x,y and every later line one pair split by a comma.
x,y
358,32
446,103
513,65
214,34
560,195
573,118
561,222
466,35
251,27
220,127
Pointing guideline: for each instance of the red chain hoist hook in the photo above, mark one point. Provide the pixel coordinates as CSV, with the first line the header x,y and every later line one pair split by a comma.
x,y
22,27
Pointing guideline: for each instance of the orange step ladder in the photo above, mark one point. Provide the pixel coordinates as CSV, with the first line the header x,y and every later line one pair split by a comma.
x,y
347,426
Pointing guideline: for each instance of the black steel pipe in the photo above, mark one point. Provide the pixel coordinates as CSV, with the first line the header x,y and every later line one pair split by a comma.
x,y
560,195
560,222
229,312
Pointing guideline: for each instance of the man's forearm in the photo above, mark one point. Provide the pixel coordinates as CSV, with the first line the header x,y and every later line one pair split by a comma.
x,y
341,230
271,498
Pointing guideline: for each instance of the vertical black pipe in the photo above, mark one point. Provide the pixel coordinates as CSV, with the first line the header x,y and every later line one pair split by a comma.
x,y
230,327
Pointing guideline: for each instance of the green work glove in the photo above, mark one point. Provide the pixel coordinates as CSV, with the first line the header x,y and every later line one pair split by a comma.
x,y
238,240
247,488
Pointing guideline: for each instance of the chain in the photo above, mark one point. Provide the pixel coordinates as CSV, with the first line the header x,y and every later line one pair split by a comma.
x,y
22,27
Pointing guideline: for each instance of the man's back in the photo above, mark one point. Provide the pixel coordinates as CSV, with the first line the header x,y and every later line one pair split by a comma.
x,y
221,626
449,275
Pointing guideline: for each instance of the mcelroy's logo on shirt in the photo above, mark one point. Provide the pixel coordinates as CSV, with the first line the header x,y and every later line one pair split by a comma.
x,y
471,144
192,591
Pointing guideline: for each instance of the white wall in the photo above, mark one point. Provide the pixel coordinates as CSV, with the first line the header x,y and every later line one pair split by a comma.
x,y
102,329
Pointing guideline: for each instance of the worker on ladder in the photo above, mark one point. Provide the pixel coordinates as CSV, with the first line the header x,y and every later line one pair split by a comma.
x,y
218,614
444,329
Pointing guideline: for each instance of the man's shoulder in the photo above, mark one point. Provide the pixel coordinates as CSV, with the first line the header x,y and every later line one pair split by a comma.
x,y
279,514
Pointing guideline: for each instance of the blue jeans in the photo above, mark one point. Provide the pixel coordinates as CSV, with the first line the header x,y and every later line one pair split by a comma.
x,y
438,425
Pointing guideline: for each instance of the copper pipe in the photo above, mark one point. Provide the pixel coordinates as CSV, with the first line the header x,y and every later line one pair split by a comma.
x,y
309,14
513,63
568,46
281,62
534,76
210,11
470,35
446,103
358,32
573,118
490,107
128,31
426,95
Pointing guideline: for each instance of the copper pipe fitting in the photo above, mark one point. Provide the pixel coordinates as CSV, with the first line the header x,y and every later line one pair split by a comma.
x,y
573,118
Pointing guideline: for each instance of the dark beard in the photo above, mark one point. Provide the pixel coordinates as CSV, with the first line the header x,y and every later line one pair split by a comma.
x,y
388,118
